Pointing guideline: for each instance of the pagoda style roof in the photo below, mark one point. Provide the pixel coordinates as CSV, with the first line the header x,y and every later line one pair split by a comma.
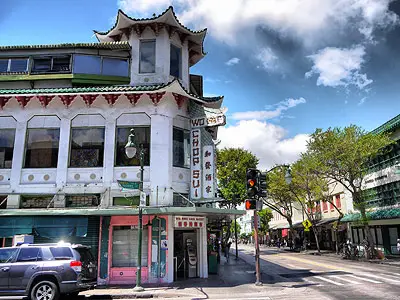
x,y
174,87
105,46
168,20
388,126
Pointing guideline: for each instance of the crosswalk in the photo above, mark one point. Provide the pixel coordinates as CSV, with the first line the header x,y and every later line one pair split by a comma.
x,y
321,279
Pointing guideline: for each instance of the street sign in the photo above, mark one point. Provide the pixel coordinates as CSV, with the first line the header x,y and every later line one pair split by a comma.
x,y
306,224
142,199
129,185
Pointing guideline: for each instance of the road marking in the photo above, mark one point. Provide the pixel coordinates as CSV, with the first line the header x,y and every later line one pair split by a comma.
x,y
328,280
316,263
312,282
382,278
344,279
361,278
395,276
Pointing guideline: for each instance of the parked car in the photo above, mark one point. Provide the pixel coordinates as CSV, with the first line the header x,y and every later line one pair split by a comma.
x,y
46,271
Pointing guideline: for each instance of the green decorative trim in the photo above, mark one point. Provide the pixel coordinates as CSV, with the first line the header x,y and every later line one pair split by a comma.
x,y
380,214
100,79
105,45
389,126
29,77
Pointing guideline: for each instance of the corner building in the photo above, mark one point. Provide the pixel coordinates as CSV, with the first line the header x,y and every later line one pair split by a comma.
x,y
66,113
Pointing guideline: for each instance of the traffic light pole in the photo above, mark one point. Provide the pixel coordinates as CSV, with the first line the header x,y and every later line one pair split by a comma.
x,y
257,245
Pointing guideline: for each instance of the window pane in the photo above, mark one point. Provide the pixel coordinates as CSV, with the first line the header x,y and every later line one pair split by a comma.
x,y
175,61
37,202
87,64
393,235
61,64
82,200
42,148
61,252
147,63
41,65
142,137
7,255
181,146
19,65
3,65
28,254
87,147
7,137
115,67
125,247
379,234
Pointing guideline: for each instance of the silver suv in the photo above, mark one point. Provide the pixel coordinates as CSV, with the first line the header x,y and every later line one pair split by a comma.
x,y
46,271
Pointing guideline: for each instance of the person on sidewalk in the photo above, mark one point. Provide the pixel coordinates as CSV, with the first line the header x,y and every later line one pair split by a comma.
x,y
227,249
398,246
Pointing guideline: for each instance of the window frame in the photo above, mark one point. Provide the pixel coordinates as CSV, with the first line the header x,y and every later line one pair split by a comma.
x,y
140,54
39,255
17,57
51,57
180,60
13,148
70,145
26,146
116,145
189,147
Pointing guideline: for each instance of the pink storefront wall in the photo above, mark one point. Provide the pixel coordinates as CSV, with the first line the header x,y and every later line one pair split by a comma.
x,y
128,275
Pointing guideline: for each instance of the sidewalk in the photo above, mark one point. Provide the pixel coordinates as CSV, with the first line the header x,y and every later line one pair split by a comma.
x,y
231,274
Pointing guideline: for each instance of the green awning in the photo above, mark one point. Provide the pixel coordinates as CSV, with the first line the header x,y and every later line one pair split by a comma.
x,y
380,214
45,226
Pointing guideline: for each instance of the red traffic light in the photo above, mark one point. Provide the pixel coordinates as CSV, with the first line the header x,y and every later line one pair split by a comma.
x,y
251,182
250,204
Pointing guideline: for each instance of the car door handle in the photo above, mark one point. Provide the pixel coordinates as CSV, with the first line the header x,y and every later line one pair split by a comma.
x,y
5,269
35,267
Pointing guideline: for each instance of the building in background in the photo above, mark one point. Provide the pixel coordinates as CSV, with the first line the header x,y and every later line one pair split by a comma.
x,y
66,113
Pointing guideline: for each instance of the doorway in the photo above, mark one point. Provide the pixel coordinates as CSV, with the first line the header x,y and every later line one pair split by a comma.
x,y
183,269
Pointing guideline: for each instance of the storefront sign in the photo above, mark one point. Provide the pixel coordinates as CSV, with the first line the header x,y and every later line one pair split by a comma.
x,y
214,120
208,172
129,185
195,162
189,222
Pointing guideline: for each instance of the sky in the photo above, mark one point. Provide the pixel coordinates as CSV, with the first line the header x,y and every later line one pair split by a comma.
x,y
285,67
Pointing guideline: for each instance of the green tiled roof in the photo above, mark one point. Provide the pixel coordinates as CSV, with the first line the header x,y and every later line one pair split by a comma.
x,y
106,45
380,214
390,125
102,89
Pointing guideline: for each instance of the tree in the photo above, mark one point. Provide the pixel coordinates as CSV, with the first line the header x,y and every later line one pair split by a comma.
x,y
343,155
265,216
238,228
280,198
232,164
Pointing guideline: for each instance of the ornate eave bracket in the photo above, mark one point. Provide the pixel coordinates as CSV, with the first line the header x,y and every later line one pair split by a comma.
x,y
111,98
133,98
3,101
156,97
179,99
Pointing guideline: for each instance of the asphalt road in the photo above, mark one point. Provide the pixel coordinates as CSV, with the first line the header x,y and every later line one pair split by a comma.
x,y
324,277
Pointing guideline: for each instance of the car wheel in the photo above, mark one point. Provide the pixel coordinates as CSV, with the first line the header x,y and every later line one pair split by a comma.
x,y
45,290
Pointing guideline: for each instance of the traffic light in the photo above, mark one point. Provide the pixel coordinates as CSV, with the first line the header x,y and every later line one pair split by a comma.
x,y
263,184
252,176
250,204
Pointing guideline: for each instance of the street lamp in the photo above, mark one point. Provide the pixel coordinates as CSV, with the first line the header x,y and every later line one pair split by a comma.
x,y
131,151
288,175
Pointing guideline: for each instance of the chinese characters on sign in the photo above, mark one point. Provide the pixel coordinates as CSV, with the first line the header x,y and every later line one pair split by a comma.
x,y
195,163
216,120
189,222
208,172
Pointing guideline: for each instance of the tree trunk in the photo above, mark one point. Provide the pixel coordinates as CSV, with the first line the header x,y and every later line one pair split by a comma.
x,y
368,234
316,238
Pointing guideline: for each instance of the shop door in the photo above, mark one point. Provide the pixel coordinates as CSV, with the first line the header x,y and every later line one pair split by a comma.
x,y
180,252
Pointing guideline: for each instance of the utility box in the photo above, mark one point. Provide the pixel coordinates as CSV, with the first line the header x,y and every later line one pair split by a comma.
x,y
22,239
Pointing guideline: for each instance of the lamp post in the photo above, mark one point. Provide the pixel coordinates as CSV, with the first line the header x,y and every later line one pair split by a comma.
x,y
131,151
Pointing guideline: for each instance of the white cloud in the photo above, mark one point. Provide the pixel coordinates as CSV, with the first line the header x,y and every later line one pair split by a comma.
x,y
269,114
268,60
267,141
142,7
339,67
232,61
210,95
362,101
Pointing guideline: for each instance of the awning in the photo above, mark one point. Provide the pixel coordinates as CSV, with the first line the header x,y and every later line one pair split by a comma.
x,y
379,214
326,221
43,226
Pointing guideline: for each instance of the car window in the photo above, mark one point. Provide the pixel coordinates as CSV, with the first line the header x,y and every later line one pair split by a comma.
x,y
29,254
60,253
7,255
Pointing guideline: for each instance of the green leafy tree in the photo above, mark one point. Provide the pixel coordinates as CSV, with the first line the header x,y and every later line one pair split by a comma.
x,y
343,154
232,164
238,228
265,216
280,197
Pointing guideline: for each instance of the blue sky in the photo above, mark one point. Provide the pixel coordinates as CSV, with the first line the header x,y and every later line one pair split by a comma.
x,y
284,70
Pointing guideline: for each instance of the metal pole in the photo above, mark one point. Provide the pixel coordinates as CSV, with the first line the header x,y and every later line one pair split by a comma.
x,y
138,286
236,240
258,273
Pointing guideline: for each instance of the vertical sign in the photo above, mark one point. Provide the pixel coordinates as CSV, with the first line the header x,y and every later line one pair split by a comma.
x,y
208,171
195,164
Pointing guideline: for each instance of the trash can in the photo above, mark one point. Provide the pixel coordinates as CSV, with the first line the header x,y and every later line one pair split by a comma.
x,y
212,263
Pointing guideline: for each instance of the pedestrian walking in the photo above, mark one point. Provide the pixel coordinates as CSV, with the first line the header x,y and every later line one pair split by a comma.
x,y
398,246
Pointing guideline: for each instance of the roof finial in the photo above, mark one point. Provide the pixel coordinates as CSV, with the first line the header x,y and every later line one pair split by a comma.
x,y
154,15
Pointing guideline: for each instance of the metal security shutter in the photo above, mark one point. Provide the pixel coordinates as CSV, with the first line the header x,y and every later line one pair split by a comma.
x,y
91,239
